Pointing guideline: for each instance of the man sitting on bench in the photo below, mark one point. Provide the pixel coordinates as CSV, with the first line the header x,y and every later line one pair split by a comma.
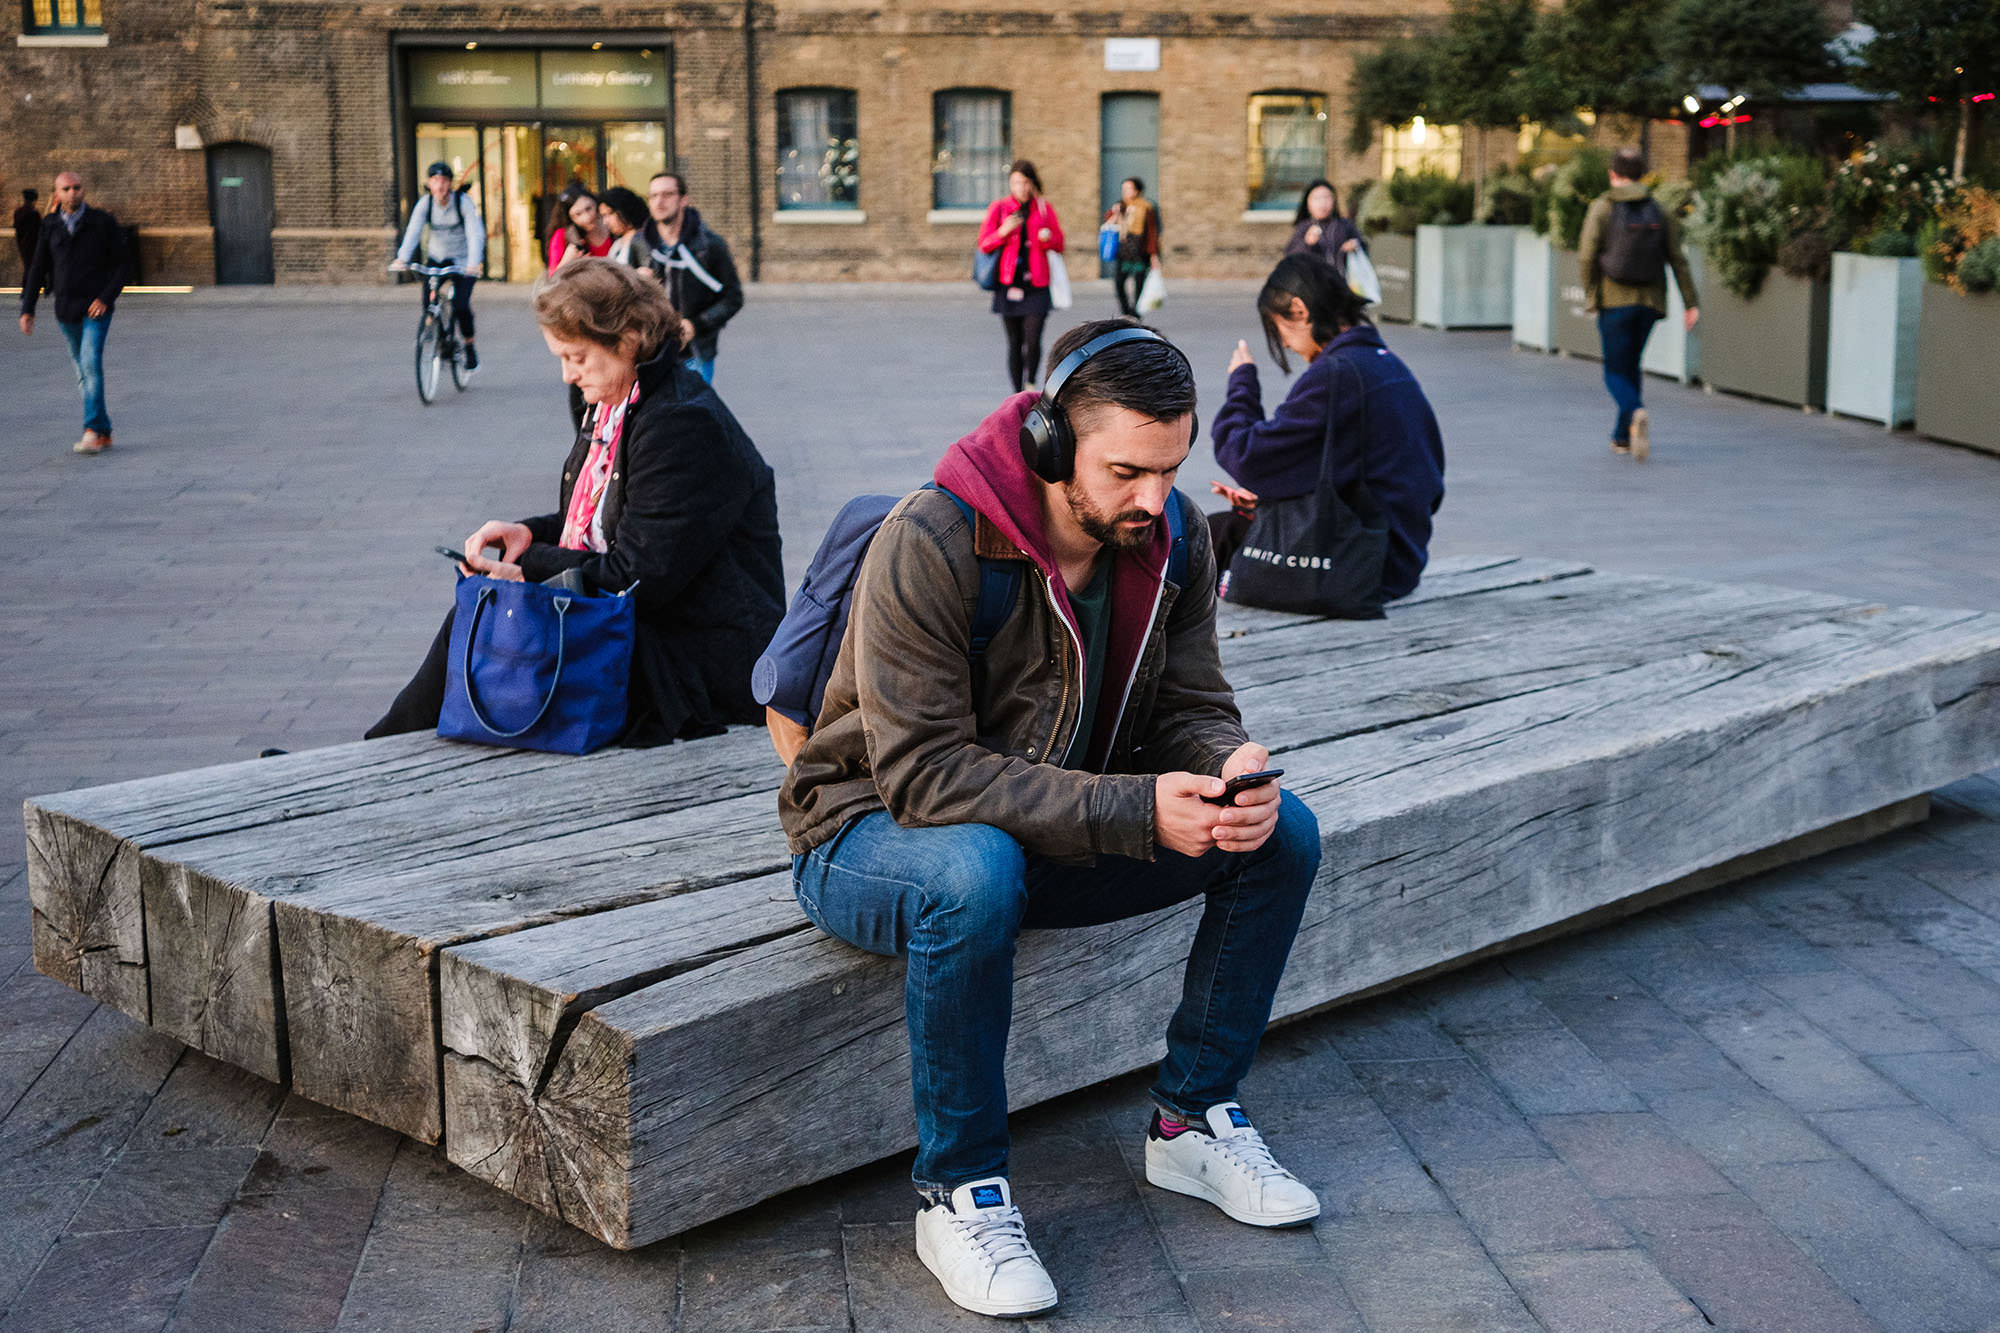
x,y
1067,773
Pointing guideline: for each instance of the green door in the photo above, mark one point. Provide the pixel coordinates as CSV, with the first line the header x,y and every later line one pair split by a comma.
x,y
1131,147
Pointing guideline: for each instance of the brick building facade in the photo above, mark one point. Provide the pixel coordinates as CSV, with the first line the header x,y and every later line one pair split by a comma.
x,y
829,139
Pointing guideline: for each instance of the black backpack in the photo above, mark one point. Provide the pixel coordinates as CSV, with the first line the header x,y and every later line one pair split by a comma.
x,y
1635,253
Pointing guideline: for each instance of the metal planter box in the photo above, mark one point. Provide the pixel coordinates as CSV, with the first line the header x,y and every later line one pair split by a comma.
x,y
1871,342
1771,347
1672,351
1395,258
1534,291
1465,276
1958,391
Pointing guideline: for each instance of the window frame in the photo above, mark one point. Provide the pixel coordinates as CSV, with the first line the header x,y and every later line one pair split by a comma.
x,y
1254,156
940,98
779,101
33,27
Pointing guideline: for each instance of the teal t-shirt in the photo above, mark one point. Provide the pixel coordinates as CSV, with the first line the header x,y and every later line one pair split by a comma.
x,y
1091,603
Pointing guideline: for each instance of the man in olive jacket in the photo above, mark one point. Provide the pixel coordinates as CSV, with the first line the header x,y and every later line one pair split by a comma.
x,y
1625,227
938,808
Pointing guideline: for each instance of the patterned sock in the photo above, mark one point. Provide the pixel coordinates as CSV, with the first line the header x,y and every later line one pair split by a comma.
x,y
934,1198
1169,1126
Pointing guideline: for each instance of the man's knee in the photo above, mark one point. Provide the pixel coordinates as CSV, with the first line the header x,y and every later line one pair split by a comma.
x,y
1294,845
975,883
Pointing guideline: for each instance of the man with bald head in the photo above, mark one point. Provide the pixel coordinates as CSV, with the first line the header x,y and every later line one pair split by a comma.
x,y
81,260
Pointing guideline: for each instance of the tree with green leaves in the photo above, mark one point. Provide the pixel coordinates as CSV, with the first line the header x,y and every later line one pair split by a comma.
x,y
1479,74
1599,54
1762,49
1391,85
1934,55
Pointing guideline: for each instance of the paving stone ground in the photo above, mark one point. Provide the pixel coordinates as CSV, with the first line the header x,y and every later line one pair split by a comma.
x,y
1771,1107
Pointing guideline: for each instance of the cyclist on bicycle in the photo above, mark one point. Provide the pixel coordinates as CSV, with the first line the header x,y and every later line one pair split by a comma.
x,y
457,237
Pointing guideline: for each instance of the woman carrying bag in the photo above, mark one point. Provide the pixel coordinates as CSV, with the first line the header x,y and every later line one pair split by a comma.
x,y
1344,476
1136,222
1319,229
663,497
1023,231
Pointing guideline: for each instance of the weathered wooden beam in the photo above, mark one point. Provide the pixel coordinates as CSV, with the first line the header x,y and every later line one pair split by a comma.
x,y
1442,840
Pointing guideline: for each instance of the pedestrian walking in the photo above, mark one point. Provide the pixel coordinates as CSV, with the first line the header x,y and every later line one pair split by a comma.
x,y
1628,244
696,266
27,226
1074,769
586,232
1137,220
1022,228
81,260
1355,417
625,213
448,225
1319,229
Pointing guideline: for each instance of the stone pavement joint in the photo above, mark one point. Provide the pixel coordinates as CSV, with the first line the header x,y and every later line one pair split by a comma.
x,y
1770,1107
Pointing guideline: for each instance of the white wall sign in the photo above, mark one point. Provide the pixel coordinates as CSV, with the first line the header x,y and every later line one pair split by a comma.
x,y
1132,55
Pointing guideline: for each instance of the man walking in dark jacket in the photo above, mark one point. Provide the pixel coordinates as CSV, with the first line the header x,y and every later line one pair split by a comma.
x,y
27,227
1077,776
696,266
80,258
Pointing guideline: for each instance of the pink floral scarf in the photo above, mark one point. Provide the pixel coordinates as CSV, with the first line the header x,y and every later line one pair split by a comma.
x,y
581,531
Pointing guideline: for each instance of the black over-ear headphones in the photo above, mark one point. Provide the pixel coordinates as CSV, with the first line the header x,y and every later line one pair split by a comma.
x,y
1047,443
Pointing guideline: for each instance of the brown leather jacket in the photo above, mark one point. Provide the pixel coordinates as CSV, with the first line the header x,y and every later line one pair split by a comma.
x,y
901,731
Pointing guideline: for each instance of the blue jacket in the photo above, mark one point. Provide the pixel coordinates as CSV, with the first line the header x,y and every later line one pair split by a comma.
x,y
1279,457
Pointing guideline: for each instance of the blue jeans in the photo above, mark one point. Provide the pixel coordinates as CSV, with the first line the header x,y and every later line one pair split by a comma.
x,y
1623,331
953,900
86,350
704,367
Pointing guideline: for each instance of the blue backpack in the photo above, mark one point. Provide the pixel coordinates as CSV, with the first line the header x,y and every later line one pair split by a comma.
x,y
790,678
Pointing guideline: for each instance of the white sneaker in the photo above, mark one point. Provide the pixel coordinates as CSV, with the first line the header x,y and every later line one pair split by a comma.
x,y
1225,1162
977,1248
1642,435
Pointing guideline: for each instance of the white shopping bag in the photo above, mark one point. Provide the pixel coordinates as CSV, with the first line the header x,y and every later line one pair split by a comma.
x,y
1059,293
1361,277
1152,292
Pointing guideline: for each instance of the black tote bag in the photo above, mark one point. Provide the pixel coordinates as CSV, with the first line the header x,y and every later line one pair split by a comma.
x,y
1319,554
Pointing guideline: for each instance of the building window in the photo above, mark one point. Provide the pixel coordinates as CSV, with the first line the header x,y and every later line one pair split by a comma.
x,y
1287,147
55,18
819,156
971,139
1420,146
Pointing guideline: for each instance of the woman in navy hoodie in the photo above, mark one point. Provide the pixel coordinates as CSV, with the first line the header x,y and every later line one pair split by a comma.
x,y
1378,411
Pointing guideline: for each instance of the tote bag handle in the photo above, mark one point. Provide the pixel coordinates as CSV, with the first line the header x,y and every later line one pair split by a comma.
x,y
472,637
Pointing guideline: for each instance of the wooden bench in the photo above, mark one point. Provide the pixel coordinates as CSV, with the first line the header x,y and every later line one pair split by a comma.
x,y
588,980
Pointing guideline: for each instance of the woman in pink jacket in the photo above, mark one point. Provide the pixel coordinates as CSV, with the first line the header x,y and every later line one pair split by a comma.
x,y
1023,228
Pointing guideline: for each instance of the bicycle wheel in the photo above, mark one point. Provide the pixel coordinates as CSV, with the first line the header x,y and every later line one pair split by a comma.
x,y
460,376
427,357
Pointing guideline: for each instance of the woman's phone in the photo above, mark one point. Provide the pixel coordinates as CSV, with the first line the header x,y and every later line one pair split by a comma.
x,y
1244,782
456,557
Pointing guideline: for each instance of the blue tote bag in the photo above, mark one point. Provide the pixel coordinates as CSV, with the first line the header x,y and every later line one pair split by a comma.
x,y
537,666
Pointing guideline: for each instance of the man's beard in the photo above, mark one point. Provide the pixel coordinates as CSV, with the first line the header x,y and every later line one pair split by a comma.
x,y
1103,529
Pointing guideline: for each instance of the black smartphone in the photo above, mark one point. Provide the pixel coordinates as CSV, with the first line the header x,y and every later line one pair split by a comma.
x,y
1244,782
457,557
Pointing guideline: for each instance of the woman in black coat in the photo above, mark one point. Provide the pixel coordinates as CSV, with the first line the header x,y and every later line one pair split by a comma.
x,y
662,489
1319,229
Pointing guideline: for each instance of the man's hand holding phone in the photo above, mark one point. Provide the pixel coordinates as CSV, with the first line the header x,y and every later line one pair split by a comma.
x,y
1188,819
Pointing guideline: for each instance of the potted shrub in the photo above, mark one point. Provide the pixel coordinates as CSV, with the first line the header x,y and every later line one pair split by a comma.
x,y
1535,270
1764,329
1881,197
1958,393
1465,272
1674,350
1390,217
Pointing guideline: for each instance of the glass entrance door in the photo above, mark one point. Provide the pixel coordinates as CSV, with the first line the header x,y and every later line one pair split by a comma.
x,y
510,179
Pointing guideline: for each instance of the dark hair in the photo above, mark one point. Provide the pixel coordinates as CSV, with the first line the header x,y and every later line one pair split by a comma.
x,y
1306,194
29,196
1137,184
1330,303
596,299
629,207
1629,163
1151,378
680,181
1027,168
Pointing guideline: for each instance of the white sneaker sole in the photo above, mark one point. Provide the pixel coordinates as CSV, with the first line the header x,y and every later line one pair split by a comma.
x,y
1169,1179
977,1304
1642,436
